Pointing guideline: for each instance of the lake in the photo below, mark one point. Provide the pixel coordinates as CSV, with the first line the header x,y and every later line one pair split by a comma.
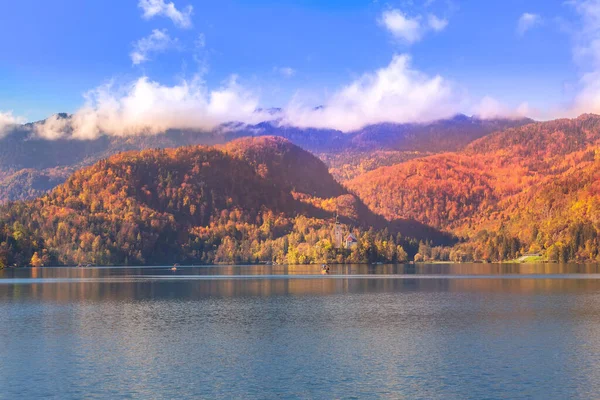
x,y
270,332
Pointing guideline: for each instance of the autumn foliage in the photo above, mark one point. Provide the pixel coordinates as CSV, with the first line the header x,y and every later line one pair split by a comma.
x,y
250,201
532,189
528,190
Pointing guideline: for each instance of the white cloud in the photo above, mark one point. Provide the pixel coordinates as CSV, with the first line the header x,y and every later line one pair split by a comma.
x,y
7,120
54,127
587,38
528,21
157,41
154,8
147,107
586,52
200,42
396,93
587,99
401,26
287,72
525,110
410,30
436,23
489,108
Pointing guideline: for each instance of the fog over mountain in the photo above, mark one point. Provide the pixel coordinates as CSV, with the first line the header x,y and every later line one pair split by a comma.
x,y
31,164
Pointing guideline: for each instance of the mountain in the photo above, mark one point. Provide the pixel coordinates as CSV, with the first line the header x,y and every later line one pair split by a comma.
x,y
528,189
438,136
30,165
251,200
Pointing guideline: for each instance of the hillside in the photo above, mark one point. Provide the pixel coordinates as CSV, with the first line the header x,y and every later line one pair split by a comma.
x,y
251,200
534,186
348,165
30,182
31,165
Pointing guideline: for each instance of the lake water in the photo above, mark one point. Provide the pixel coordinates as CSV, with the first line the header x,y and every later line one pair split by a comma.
x,y
262,332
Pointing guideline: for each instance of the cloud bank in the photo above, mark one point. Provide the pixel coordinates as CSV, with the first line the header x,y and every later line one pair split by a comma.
x,y
158,41
397,93
153,8
7,120
410,30
490,108
147,107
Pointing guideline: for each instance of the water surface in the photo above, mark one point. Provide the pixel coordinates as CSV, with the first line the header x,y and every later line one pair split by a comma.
x,y
430,331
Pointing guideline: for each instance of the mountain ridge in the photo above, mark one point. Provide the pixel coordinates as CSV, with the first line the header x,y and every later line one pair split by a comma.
x,y
54,160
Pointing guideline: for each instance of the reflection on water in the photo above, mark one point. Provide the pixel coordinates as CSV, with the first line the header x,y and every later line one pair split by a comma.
x,y
67,284
426,331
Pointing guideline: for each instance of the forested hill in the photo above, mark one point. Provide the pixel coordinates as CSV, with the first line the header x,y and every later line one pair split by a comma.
x,y
542,140
532,189
252,200
31,165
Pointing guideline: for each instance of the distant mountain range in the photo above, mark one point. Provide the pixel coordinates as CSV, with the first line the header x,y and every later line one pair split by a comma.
x,y
31,165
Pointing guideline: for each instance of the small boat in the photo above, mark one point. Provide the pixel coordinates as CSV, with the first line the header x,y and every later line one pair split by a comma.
x,y
174,268
324,269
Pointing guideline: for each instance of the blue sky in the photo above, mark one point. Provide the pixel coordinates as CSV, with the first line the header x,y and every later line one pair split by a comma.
x,y
298,53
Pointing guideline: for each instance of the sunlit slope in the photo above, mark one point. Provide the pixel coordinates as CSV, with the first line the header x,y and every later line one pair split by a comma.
x,y
537,183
